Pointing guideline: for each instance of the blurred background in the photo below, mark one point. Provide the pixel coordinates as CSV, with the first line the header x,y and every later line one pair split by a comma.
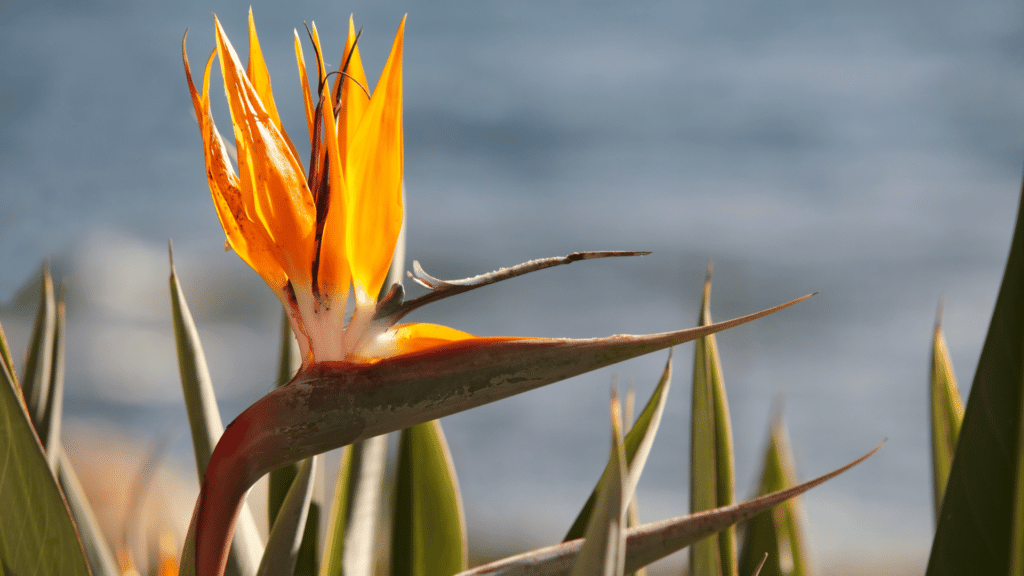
x,y
870,151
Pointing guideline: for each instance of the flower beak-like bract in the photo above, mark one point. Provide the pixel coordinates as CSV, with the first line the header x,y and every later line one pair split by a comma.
x,y
314,235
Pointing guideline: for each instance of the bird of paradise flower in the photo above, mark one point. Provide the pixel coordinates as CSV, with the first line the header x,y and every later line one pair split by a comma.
x,y
315,235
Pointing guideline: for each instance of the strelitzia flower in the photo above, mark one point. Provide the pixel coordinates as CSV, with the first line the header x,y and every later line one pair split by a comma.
x,y
313,235
316,235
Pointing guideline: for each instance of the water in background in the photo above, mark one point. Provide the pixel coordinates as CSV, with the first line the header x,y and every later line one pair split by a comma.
x,y
871,152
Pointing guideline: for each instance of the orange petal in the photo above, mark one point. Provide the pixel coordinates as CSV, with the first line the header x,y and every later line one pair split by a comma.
x,y
270,174
354,97
374,176
257,72
334,276
415,337
249,240
307,96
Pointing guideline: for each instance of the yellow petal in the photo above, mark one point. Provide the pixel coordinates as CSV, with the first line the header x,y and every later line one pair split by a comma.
x,y
354,97
334,276
249,240
307,96
270,174
374,176
258,75
408,338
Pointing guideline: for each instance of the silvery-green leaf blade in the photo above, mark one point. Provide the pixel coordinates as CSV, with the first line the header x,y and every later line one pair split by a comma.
x,y
97,551
332,562
354,524
637,445
282,551
53,415
369,460
6,359
35,378
711,452
428,536
603,549
653,541
205,422
779,531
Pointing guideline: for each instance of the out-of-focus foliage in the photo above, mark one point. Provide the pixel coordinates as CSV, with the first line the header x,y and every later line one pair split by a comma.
x,y
775,540
711,454
946,415
428,536
37,532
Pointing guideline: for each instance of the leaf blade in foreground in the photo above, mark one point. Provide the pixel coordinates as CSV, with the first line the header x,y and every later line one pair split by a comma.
x,y
37,534
429,532
974,533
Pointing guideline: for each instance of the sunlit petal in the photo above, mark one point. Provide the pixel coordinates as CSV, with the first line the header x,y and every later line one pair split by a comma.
x,y
354,97
408,338
257,72
307,96
248,239
269,172
374,175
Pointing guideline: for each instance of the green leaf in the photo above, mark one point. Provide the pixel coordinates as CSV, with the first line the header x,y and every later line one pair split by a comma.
x,y
711,453
356,510
369,459
332,563
287,533
204,420
757,570
778,532
650,542
974,534
429,530
1017,538
632,513
38,362
637,445
97,551
37,534
6,359
49,427
603,550
947,414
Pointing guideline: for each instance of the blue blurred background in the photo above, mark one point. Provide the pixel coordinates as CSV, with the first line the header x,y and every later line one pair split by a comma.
x,y
870,151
